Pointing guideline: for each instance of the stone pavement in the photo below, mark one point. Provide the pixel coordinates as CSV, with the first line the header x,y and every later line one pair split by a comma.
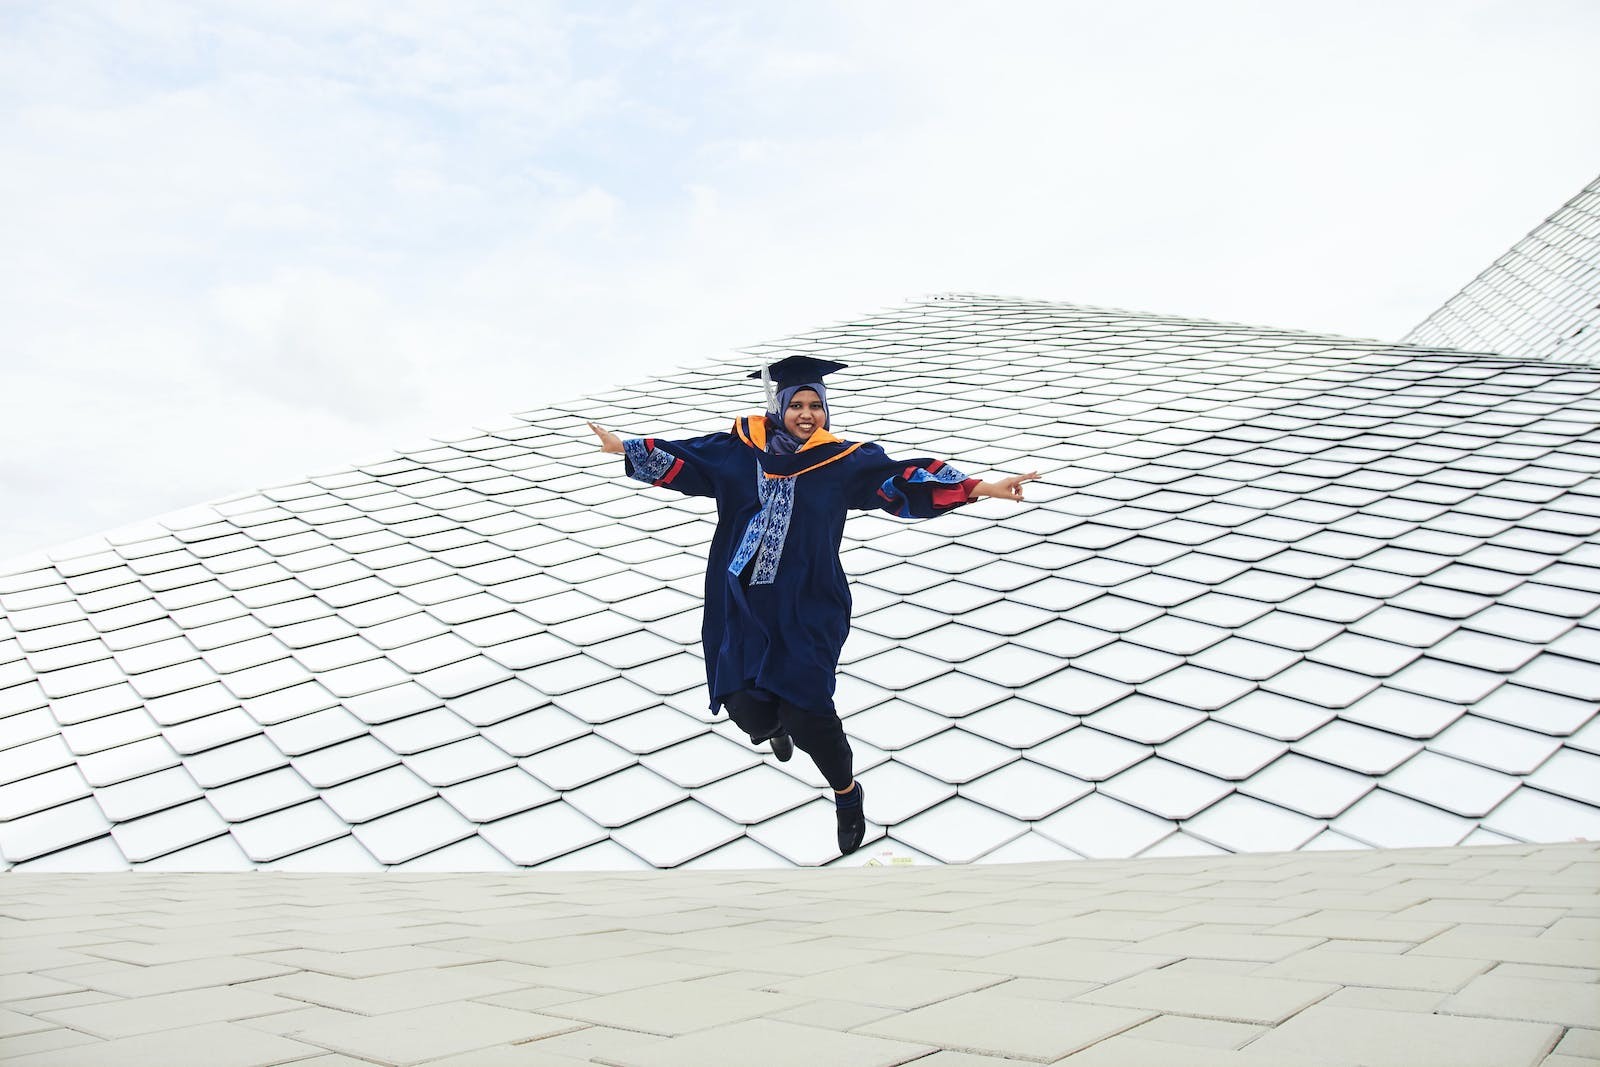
x,y
1456,957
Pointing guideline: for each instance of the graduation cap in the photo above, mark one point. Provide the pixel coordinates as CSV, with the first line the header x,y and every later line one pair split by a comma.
x,y
794,370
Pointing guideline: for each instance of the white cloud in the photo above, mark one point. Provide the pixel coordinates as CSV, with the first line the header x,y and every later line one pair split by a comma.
x,y
256,240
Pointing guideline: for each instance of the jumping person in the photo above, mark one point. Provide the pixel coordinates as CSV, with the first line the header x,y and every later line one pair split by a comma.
x,y
777,608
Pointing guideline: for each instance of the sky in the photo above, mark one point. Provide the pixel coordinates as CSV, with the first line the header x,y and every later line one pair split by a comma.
x,y
251,241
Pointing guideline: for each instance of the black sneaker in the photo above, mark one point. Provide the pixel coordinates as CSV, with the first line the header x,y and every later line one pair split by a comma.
x,y
782,747
849,809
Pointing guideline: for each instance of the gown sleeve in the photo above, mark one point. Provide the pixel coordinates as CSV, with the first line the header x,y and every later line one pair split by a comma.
x,y
909,488
687,466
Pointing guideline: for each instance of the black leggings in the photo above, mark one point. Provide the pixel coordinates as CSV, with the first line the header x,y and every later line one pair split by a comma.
x,y
819,734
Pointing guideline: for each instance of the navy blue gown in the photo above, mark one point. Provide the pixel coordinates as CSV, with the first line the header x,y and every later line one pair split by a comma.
x,y
777,607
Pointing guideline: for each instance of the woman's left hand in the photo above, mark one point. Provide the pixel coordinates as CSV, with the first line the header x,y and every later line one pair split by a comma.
x,y
1006,488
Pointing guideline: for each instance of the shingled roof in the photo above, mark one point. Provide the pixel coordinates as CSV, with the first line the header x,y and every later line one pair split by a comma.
x,y
1540,300
1276,591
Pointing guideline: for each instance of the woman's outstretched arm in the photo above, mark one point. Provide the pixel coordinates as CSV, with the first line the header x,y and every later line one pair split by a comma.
x,y
922,488
609,442
690,467
1003,488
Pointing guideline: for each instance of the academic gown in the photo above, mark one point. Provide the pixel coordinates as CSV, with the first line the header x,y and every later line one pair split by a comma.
x,y
777,606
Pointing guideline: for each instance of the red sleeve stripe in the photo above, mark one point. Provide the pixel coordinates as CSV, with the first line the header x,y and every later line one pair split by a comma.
x,y
672,472
650,444
934,467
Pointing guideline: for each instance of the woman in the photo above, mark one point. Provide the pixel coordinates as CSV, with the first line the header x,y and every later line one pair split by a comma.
x,y
777,608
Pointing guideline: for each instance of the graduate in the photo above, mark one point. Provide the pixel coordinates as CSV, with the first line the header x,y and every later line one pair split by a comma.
x,y
777,607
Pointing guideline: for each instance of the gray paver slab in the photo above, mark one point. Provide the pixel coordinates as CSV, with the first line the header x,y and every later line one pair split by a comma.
x,y
42,1041
1407,1039
834,1014
528,1054
1208,1033
15,987
1068,960
989,1022
1125,1050
126,980
1530,999
13,1023
1580,1042
1361,926
1234,998
430,1033
888,985
1218,944
384,993
166,1011
1326,964
1464,944
771,1043
367,963
213,1045
586,1043
674,1009
616,975
1380,999
947,1058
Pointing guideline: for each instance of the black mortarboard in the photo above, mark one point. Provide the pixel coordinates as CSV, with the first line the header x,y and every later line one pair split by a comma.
x,y
798,370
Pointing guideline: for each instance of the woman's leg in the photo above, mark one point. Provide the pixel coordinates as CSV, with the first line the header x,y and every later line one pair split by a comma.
x,y
820,735
757,717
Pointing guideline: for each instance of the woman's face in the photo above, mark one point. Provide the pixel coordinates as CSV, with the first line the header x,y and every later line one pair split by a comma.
x,y
805,414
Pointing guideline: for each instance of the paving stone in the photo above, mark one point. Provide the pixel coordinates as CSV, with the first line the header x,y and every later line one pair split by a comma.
x,y
214,1045
992,1023
1403,1039
780,1044
1580,1042
619,974
431,1032
1206,1033
582,1044
1326,964
1360,926
1233,998
1378,998
1126,1050
887,985
1530,999
525,1055
366,963
1070,959
147,1015
13,1024
833,1014
130,981
673,1009
386,993
14,1048
1223,943
1463,944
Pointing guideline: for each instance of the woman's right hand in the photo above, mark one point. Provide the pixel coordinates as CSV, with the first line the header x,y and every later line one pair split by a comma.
x,y
609,442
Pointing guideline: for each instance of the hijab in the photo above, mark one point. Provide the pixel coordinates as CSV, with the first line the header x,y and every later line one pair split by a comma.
x,y
780,441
